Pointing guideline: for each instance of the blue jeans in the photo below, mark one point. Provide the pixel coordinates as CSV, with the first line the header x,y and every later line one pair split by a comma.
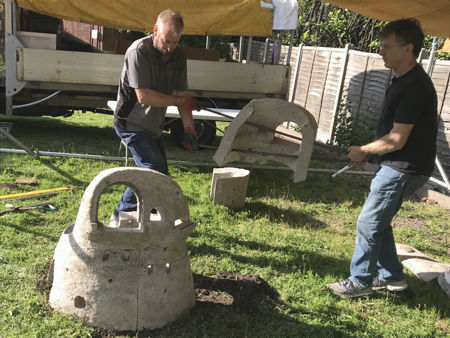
x,y
147,153
374,245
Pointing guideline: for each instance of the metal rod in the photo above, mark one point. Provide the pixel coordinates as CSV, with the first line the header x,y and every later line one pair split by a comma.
x,y
249,49
263,153
50,153
251,151
175,162
241,47
266,47
18,143
340,171
254,124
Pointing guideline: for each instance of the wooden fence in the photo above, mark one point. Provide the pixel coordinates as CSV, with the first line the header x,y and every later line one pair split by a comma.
x,y
329,78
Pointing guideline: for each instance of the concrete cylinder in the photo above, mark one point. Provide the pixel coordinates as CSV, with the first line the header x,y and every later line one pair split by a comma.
x,y
229,187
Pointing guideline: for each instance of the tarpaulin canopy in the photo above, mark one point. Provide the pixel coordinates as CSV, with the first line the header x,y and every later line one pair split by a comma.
x,y
201,17
434,15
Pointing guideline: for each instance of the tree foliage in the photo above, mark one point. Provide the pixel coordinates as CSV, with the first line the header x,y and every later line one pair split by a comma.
x,y
322,24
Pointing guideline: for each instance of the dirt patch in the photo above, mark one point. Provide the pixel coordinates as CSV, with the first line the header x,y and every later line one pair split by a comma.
x,y
241,292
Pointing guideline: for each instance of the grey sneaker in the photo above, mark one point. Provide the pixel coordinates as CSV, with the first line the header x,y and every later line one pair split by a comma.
x,y
348,289
381,284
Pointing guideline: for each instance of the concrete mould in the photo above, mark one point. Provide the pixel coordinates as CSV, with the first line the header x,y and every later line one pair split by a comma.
x,y
126,278
243,136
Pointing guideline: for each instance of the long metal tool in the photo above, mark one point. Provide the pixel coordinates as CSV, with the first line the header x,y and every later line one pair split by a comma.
x,y
36,154
250,151
340,171
254,124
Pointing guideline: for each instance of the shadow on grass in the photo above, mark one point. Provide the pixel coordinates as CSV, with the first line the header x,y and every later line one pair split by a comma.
x,y
234,305
29,230
295,219
293,259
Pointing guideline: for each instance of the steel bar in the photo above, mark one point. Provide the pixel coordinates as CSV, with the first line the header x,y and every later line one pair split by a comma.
x,y
18,143
263,153
254,124
343,170
257,152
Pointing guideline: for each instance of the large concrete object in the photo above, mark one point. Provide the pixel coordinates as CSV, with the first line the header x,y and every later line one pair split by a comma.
x,y
126,278
229,187
245,141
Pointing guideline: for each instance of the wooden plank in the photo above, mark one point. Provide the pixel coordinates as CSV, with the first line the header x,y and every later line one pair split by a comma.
x,y
104,69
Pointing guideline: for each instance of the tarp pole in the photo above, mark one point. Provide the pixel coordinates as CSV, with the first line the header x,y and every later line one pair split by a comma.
x,y
249,49
241,47
430,68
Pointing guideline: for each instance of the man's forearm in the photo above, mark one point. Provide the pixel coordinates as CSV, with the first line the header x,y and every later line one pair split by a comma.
x,y
384,145
186,118
154,98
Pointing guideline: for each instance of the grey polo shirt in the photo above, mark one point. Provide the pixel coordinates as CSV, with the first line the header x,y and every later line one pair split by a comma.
x,y
143,68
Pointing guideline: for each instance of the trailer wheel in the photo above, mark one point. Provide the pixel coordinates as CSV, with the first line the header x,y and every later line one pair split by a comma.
x,y
206,131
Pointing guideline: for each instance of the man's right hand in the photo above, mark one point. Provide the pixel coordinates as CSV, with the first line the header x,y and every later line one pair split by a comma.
x,y
189,103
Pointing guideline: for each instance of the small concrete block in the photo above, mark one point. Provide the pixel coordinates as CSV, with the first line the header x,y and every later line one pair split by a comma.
x,y
26,181
405,251
444,282
128,219
425,269
442,200
229,187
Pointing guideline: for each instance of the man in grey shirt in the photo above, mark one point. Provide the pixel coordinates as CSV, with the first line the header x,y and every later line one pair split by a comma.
x,y
153,77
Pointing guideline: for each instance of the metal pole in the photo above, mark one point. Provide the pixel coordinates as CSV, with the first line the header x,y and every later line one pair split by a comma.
x,y
175,162
249,49
8,30
208,42
18,143
241,47
291,43
266,47
430,67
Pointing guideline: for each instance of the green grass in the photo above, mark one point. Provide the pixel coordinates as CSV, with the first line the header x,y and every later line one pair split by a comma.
x,y
297,237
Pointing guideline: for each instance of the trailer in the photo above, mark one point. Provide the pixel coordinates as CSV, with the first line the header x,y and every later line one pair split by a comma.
x,y
40,79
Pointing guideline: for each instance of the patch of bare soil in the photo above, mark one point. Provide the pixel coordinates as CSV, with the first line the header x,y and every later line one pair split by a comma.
x,y
241,292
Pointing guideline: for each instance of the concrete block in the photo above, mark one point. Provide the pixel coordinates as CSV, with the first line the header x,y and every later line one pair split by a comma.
x,y
271,113
442,200
126,279
229,187
405,251
425,269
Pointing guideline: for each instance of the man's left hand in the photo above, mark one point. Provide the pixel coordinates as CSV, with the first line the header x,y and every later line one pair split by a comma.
x,y
190,139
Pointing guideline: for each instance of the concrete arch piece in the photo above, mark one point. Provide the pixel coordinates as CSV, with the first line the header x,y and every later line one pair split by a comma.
x,y
270,113
126,278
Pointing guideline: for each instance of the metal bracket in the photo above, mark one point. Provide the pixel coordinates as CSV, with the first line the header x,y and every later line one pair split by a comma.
x,y
12,84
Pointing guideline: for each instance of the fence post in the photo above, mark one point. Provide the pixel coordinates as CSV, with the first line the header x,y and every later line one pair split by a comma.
x,y
347,48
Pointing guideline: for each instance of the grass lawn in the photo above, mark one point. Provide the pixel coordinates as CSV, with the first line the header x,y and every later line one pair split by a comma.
x,y
295,237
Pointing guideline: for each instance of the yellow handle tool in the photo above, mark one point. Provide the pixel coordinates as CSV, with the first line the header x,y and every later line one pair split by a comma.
x,y
34,193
